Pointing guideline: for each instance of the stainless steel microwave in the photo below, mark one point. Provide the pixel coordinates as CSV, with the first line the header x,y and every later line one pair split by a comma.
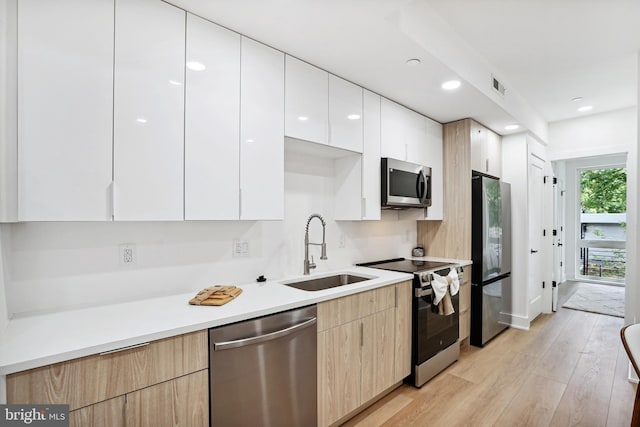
x,y
404,184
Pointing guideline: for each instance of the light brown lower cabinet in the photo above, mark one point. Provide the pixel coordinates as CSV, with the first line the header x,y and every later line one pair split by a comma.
x,y
465,305
403,330
363,349
162,383
109,413
182,401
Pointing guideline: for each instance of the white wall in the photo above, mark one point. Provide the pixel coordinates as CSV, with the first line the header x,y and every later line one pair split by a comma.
x,y
515,158
56,266
593,135
4,314
632,294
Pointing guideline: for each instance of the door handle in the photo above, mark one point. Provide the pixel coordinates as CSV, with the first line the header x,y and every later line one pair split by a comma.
x,y
533,251
262,338
559,244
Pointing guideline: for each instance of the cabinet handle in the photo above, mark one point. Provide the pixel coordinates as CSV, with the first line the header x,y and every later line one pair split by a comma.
x,y
487,165
364,207
406,152
117,350
240,204
361,334
396,296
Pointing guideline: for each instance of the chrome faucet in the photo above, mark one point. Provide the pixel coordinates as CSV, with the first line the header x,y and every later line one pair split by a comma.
x,y
309,265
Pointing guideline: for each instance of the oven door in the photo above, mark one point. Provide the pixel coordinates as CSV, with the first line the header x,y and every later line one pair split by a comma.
x,y
433,332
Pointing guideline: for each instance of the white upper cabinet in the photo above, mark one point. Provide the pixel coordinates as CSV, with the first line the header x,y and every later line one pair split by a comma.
x,y
261,132
371,157
212,122
412,137
486,150
345,114
65,110
393,131
149,110
306,101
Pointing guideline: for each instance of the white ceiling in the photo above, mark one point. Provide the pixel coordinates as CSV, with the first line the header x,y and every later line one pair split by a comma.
x,y
548,51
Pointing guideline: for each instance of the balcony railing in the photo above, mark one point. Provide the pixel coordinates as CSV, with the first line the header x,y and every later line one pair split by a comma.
x,y
607,263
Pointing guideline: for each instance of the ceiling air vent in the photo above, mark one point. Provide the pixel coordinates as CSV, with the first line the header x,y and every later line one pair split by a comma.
x,y
497,85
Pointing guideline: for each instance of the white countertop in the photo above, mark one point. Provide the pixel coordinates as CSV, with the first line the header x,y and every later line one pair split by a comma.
x,y
40,340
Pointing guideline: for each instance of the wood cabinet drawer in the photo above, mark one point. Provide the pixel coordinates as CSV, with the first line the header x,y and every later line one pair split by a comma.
x,y
346,309
109,413
182,401
91,379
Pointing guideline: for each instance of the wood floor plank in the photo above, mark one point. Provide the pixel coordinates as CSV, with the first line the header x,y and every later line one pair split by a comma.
x,y
485,402
535,404
380,413
562,357
445,394
622,393
588,394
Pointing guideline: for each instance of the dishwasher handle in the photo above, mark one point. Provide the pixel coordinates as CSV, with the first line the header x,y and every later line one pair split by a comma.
x,y
225,345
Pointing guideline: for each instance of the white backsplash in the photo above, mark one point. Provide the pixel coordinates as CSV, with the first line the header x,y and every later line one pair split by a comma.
x,y
63,265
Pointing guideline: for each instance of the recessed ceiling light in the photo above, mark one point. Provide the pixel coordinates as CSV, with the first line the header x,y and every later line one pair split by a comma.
x,y
576,99
353,116
175,83
141,120
511,127
303,118
585,108
413,61
451,84
195,66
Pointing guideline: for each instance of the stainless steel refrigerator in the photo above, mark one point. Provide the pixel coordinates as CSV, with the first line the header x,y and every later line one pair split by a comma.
x,y
491,255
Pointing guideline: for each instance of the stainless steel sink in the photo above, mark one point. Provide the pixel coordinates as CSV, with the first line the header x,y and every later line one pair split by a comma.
x,y
327,282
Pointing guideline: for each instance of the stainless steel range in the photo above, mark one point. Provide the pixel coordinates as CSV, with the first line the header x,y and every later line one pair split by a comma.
x,y
434,343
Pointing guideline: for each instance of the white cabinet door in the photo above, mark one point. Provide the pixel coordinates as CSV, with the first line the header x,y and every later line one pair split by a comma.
x,y
371,157
392,129
261,132
306,101
65,110
434,159
149,110
345,114
494,154
478,139
212,122
415,131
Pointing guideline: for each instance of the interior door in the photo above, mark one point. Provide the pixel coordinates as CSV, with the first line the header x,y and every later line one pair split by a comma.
x,y
558,239
535,198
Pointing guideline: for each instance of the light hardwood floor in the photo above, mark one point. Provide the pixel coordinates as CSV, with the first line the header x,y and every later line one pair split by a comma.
x,y
569,369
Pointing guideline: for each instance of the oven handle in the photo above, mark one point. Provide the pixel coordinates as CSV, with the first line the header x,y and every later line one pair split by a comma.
x,y
419,293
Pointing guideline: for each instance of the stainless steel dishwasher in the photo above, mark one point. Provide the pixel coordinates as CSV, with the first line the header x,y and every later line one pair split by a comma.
x,y
263,371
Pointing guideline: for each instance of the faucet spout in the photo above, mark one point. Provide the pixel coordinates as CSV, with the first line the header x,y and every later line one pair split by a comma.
x,y
323,255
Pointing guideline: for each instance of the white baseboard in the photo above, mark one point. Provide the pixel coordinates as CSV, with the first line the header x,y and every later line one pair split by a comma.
x,y
515,321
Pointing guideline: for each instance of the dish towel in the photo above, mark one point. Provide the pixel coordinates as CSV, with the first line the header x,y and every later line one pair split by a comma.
x,y
442,298
454,281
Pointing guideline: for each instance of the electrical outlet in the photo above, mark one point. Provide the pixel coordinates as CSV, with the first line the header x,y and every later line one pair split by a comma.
x,y
127,254
240,248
